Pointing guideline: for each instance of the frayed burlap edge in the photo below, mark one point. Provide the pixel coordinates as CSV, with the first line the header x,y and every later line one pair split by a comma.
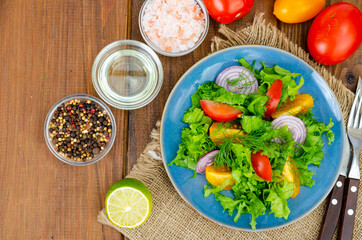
x,y
146,165
149,166
261,33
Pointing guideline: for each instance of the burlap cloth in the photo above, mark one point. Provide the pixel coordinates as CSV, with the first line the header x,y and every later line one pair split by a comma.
x,y
171,217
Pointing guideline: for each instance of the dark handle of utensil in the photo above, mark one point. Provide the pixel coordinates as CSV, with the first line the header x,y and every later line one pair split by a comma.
x,y
349,209
333,211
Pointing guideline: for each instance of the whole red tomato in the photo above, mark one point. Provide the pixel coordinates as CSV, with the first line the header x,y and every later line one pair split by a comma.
x,y
227,11
335,34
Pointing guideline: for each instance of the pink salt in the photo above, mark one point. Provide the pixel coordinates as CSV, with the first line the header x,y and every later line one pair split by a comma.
x,y
173,25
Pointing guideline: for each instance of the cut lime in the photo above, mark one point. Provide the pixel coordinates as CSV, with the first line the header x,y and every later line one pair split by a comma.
x,y
128,203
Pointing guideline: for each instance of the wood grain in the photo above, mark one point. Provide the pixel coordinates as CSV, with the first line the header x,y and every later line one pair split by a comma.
x,y
349,209
46,52
333,210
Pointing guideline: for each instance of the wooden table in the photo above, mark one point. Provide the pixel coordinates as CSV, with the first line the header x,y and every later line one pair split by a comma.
x,y
47,50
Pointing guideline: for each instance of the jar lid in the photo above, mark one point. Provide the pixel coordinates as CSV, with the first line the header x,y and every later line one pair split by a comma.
x,y
127,74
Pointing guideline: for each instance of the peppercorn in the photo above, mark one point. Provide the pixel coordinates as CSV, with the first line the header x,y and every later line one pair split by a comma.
x,y
96,150
79,130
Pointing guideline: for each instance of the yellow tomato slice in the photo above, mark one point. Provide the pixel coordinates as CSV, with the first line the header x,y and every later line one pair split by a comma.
x,y
290,172
300,104
218,175
219,131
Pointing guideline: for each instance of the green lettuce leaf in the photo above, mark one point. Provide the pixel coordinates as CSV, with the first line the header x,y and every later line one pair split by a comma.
x,y
217,189
227,203
284,189
251,194
207,91
195,141
311,151
194,115
242,162
305,177
243,208
252,124
256,104
244,63
278,204
233,99
267,76
256,207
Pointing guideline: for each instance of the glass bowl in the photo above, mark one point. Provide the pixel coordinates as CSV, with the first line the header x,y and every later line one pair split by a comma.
x,y
177,54
127,74
97,157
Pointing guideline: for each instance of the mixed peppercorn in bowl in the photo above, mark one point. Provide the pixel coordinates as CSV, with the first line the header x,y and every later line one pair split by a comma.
x,y
80,129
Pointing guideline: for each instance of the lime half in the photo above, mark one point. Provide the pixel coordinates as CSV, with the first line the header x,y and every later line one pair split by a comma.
x,y
128,203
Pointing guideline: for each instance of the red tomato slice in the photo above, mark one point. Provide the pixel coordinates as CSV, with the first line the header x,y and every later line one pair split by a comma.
x,y
219,111
274,93
261,165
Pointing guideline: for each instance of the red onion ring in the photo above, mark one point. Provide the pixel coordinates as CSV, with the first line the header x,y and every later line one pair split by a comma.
x,y
295,126
206,160
234,72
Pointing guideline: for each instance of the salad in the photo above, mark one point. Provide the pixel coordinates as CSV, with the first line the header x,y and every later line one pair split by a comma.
x,y
251,133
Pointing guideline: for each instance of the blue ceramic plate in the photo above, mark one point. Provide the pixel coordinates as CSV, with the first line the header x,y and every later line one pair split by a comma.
x,y
326,108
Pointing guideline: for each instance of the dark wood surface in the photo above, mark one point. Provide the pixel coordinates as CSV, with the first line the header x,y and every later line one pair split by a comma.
x,y
46,52
333,210
349,209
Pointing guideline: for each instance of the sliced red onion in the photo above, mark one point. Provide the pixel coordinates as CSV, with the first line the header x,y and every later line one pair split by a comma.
x,y
248,83
206,160
295,126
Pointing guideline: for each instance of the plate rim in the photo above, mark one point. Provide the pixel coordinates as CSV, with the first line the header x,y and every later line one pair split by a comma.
x,y
170,176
